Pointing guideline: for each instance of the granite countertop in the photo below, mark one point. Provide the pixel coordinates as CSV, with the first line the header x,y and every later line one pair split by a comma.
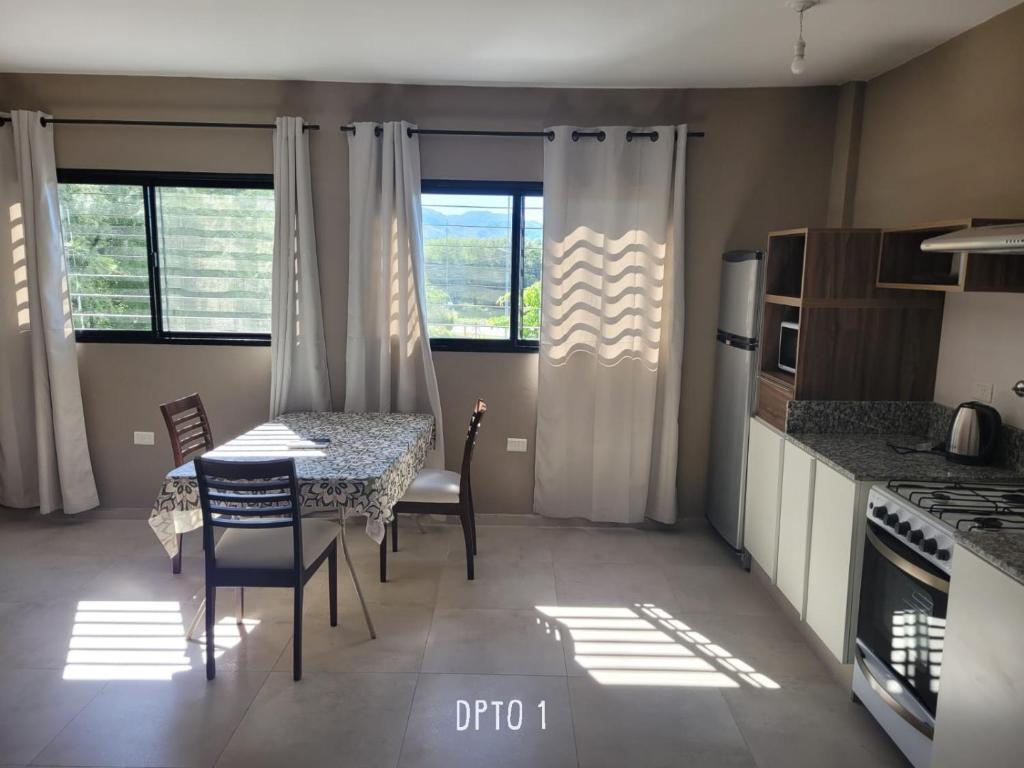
x,y
853,438
869,457
1003,550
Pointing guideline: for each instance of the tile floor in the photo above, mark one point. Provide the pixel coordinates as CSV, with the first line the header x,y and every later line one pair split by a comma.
x,y
624,647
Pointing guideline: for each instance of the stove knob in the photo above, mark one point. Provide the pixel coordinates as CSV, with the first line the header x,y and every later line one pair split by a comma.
x,y
916,535
930,546
943,554
879,512
903,528
891,519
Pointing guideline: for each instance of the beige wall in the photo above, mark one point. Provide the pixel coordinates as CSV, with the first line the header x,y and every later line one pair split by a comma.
x,y
942,138
764,164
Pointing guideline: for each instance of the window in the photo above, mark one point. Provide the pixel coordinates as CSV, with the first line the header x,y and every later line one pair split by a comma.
x,y
482,245
168,258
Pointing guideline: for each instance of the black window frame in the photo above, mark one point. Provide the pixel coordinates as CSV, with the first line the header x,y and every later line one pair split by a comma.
x,y
518,190
150,181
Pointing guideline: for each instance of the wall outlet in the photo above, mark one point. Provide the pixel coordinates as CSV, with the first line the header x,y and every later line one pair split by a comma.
x,y
144,438
516,445
981,392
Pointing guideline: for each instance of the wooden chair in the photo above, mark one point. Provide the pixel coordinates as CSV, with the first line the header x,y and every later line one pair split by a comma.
x,y
190,434
440,492
266,543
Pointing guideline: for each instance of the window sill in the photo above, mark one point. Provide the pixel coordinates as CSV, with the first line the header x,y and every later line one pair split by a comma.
x,y
145,337
482,345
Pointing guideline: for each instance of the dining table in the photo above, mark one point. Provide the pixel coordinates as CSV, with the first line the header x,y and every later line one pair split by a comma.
x,y
347,465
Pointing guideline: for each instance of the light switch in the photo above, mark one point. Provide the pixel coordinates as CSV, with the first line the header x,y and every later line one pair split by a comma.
x,y
144,438
516,445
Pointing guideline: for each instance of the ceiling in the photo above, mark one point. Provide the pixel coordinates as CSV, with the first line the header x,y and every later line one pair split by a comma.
x,y
590,43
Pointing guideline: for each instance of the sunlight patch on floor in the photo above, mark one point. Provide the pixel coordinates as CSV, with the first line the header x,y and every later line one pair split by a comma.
x,y
646,646
139,640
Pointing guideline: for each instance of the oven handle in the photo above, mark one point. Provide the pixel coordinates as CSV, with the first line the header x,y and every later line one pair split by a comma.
x,y
915,572
923,728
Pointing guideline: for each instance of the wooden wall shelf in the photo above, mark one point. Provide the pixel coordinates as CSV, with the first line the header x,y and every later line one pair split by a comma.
x,y
788,301
902,265
856,340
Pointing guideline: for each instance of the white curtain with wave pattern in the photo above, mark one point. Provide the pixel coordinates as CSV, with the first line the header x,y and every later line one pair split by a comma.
x,y
611,325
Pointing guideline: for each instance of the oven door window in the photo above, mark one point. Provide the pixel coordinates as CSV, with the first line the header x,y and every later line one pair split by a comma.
x,y
902,616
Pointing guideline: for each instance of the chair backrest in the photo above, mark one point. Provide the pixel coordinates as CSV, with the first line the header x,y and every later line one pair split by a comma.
x,y
188,427
467,452
250,495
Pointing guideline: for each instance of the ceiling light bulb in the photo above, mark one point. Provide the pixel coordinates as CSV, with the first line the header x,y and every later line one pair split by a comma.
x,y
798,64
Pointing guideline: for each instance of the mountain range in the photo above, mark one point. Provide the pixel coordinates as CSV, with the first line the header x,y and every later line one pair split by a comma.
x,y
474,223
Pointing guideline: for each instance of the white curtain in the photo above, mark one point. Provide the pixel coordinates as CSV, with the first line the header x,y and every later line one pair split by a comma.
x,y
388,367
611,326
44,455
298,357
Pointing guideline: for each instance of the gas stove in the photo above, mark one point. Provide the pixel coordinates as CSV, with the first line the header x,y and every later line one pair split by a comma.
x,y
906,573
926,515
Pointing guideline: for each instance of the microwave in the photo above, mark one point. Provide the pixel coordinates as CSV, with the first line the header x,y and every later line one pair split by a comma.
x,y
788,333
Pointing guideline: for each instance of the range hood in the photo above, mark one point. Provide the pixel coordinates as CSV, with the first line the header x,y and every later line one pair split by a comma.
x,y
999,238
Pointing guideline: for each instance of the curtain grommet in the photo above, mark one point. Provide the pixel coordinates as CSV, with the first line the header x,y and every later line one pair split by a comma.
x,y
575,135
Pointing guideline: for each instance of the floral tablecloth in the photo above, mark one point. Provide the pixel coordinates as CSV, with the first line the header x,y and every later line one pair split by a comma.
x,y
363,469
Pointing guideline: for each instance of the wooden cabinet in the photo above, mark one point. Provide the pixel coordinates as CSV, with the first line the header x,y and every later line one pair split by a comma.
x,y
852,333
833,566
761,513
981,698
903,265
795,525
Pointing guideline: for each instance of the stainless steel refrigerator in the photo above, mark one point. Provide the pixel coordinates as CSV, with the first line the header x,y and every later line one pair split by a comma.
x,y
736,350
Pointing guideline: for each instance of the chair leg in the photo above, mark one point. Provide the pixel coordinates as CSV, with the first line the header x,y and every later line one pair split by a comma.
x,y
467,535
384,558
394,534
297,636
472,519
332,586
239,605
176,560
211,614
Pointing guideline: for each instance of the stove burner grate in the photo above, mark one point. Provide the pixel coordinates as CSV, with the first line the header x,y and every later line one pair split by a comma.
x,y
966,502
989,524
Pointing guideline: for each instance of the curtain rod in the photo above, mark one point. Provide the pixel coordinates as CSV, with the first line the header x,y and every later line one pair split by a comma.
x,y
549,135
44,121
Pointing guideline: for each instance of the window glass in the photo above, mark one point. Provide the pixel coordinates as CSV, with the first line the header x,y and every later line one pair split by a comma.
x,y
533,247
104,230
216,251
467,241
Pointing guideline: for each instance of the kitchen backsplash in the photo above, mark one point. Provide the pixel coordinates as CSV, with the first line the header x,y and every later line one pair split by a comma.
x,y
888,417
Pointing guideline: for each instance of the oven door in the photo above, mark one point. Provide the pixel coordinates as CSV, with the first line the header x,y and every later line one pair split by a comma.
x,y
902,615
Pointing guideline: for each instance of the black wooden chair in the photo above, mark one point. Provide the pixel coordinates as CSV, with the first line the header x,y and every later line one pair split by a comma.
x,y
440,492
266,543
190,434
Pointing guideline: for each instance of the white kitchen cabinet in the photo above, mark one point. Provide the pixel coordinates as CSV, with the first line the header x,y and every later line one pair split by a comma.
x,y
833,567
764,475
798,469
981,696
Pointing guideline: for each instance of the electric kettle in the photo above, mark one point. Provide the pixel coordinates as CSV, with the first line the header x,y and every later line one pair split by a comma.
x,y
973,434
